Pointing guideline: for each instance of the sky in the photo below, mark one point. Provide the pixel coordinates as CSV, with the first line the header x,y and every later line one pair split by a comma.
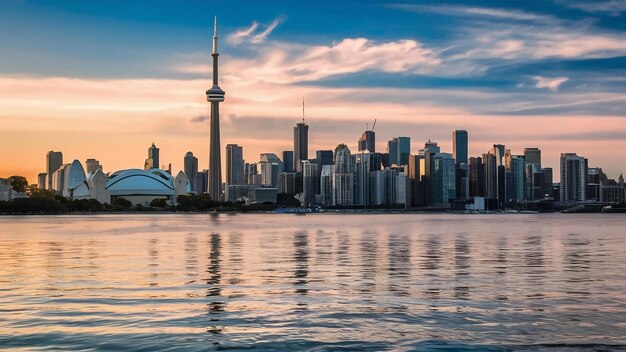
x,y
105,79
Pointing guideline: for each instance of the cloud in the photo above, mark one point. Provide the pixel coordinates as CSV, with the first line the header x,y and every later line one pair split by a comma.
x,y
551,83
251,35
460,10
239,36
199,119
614,7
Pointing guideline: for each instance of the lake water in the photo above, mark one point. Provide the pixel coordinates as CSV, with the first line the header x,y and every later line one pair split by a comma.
x,y
317,282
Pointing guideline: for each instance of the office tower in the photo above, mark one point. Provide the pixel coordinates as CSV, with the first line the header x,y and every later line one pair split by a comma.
x,y
442,179
515,173
191,170
300,144
498,150
595,179
234,165
287,183
251,173
343,177
92,165
533,157
326,185
288,160
462,176
460,146
390,185
413,175
270,166
477,177
428,152
573,177
152,161
546,182
399,149
310,183
215,95
41,180
367,142
54,160
364,162
202,181
491,175
529,181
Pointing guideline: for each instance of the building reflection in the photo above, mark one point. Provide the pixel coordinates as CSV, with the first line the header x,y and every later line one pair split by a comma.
x,y
216,303
430,264
399,264
235,258
461,267
191,257
153,263
578,265
534,262
368,262
301,269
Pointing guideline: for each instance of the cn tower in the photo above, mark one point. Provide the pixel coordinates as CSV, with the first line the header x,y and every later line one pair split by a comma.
x,y
215,95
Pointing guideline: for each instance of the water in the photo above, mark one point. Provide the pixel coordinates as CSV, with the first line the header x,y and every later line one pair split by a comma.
x,y
316,282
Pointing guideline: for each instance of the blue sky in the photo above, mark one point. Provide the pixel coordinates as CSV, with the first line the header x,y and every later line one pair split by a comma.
x,y
513,72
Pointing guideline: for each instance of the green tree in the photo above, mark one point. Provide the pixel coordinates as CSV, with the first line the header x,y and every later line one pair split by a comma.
x,y
18,183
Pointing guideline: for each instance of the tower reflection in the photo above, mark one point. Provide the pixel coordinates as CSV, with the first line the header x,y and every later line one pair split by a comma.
x,y
214,291
301,270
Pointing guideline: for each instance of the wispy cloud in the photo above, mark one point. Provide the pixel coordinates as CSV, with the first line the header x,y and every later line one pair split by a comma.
x,y
461,10
613,7
550,83
199,119
252,34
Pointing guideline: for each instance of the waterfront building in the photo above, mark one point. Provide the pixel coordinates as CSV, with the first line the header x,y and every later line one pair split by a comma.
x,y
573,177
326,185
364,162
288,160
5,190
92,165
310,183
343,177
462,186
191,170
300,144
367,142
54,160
442,179
152,162
460,146
41,180
287,183
215,96
234,165
477,177
546,183
202,181
270,167
515,177
399,149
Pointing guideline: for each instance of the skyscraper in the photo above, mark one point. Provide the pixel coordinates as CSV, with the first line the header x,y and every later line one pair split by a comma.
x,y
54,160
460,146
234,165
41,180
399,149
215,95
533,156
310,183
92,165
367,141
300,145
573,177
546,182
288,160
343,177
191,170
153,158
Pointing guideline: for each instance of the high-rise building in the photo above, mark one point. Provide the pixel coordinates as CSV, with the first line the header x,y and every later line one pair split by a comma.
x,y
515,177
288,160
414,184
573,177
460,146
152,161
270,166
546,182
234,165
215,96
251,174
202,181
533,157
365,163
54,160
300,145
477,177
399,149
287,183
92,165
326,185
41,180
490,166
310,183
442,179
367,142
191,170
343,177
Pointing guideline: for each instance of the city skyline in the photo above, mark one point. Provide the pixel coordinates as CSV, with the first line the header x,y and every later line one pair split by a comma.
x,y
564,100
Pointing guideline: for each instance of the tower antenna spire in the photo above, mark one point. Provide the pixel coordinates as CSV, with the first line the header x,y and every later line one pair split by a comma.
x,y
302,109
215,35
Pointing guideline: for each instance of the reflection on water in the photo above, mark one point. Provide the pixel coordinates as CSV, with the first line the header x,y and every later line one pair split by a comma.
x,y
321,282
